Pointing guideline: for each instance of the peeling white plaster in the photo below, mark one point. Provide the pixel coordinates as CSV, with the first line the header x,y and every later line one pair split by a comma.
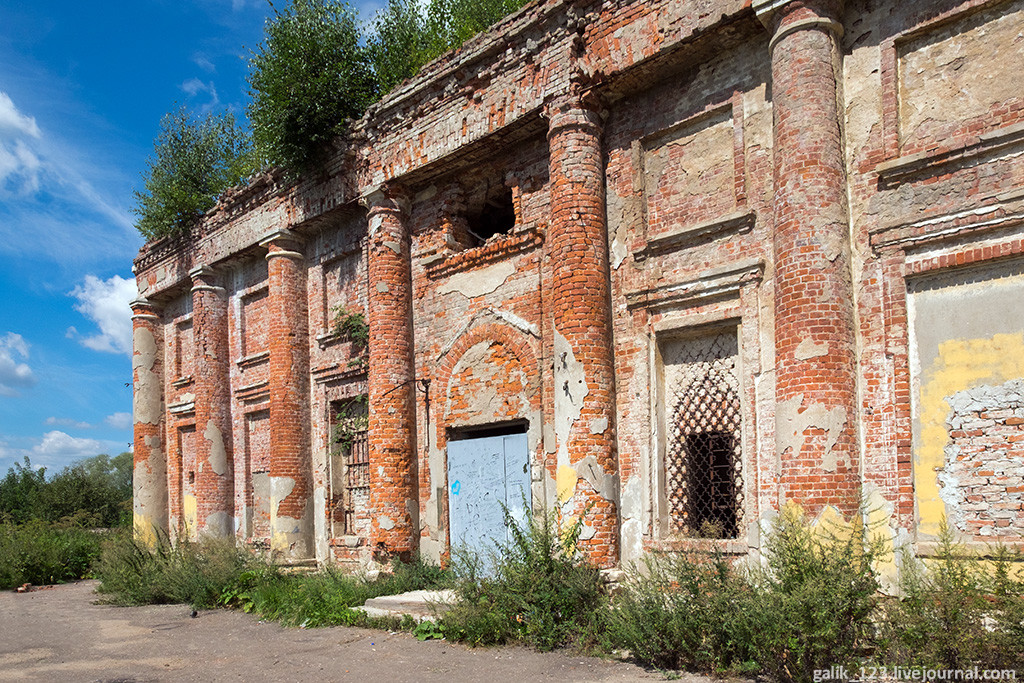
x,y
218,454
808,348
791,421
474,283
570,391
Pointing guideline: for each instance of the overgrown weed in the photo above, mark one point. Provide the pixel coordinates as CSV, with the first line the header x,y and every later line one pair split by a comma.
x,y
42,553
957,611
541,592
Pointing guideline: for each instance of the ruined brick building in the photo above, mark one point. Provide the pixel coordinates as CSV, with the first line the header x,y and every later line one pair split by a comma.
x,y
672,263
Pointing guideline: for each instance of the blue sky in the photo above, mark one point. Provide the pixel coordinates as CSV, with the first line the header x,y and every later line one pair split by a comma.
x,y
82,89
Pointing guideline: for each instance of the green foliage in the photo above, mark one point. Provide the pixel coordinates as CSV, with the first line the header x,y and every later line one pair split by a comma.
x,y
41,553
957,612
450,23
309,76
326,597
809,608
815,602
401,44
21,492
132,572
93,492
351,326
541,593
686,611
407,37
427,630
196,160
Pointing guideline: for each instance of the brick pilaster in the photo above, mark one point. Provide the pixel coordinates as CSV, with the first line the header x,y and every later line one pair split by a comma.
x,y
584,379
214,459
390,376
291,478
149,477
814,309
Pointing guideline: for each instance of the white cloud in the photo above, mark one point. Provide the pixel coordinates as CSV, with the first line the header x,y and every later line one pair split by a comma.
x,y
20,165
55,450
203,62
67,422
14,375
194,86
47,207
105,302
119,420
13,120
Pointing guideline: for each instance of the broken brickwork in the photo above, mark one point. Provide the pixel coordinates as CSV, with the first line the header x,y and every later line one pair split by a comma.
x,y
544,229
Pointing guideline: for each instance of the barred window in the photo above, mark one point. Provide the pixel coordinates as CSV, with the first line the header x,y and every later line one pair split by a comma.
x,y
350,468
703,456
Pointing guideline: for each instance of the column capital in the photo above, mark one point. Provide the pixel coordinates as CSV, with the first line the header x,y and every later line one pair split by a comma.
x,y
575,110
144,308
282,238
386,197
206,279
816,13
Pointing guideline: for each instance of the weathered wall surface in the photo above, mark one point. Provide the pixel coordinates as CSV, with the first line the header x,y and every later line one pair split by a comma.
x,y
551,216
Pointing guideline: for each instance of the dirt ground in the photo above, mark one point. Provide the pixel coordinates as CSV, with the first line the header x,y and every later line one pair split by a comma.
x,y
59,634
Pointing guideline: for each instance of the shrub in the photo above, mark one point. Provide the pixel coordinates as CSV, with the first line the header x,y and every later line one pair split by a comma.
x,y
132,572
325,597
400,45
815,601
41,553
541,592
686,610
306,79
808,608
956,612
94,492
196,160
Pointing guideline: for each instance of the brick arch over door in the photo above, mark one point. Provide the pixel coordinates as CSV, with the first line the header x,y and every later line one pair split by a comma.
x,y
502,341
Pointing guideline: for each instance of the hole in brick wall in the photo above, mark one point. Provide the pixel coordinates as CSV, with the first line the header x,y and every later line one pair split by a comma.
x,y
500,429
191,477
496,216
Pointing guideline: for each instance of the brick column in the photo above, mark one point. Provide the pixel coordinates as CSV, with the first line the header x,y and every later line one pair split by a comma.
x,y
291,477
215,471
815,359
149,479
393,493
584,376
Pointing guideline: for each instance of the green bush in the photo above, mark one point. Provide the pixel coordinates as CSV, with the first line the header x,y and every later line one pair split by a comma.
x,y
196,160
686,611
41,553
809,607
131,572
94,492
407,35
957,612
815,602
541,591
309,76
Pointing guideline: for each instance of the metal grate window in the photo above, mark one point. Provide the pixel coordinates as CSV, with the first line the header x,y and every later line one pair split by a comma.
x,y
357,479
350,468
704,467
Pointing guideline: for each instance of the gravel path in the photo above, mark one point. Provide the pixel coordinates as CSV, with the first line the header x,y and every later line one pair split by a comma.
x,y
59,634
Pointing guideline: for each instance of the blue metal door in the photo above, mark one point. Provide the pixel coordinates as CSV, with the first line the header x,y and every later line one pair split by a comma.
x,y
483,474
